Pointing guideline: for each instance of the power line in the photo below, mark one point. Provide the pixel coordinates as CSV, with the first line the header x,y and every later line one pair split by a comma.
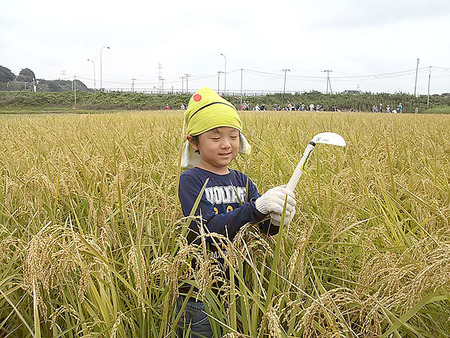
x,y
295,77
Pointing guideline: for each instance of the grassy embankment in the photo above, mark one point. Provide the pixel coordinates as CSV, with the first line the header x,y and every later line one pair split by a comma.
x,y
86,102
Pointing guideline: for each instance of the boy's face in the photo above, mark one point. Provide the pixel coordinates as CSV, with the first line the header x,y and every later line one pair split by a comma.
x,y
217,148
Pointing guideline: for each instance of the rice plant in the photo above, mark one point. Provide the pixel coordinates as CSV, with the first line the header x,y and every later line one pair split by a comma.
x,y
91,232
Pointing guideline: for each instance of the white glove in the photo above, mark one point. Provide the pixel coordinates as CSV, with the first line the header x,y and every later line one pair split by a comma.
x,y
273,201
275,218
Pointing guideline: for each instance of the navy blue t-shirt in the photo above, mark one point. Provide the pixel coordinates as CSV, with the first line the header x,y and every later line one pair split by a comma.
x,y
227,204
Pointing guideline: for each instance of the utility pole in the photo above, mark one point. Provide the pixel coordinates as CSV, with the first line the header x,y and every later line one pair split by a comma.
x,y
415,83
328,80
75,89
160,79
242,76
182,83
429,81
218,81
187,79
285,72
225,87
132,85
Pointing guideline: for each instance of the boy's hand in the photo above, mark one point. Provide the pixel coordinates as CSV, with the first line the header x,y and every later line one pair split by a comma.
x,y
273,201
275,218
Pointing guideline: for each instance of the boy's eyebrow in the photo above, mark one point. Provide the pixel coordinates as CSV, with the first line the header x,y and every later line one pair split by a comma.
x,y
217,131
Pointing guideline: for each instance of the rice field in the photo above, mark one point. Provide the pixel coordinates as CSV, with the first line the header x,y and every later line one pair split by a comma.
x,y
91,240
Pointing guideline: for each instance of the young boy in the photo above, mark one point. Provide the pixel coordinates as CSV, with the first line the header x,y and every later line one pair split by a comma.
x,y
230,199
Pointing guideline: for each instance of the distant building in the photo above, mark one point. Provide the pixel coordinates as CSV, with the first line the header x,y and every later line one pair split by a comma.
x,y
351,92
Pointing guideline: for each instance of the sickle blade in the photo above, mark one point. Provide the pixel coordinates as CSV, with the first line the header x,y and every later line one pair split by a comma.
x,y
329,138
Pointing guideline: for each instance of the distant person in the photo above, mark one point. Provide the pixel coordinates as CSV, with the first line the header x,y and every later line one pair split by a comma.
x,y
311,107
380,109
399,108
167,107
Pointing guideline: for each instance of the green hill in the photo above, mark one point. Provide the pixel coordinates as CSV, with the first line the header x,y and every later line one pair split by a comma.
x,y
27,81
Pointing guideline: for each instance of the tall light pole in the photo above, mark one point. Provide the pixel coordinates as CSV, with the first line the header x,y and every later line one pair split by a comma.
x,y
415,83
285,72
93,63
101,83
225,86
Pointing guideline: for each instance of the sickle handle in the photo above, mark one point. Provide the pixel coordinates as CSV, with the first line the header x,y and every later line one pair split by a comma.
x,y
300,166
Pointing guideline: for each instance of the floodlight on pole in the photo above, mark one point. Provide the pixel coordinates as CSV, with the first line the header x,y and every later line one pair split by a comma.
x,y
225,85
93,63
101,79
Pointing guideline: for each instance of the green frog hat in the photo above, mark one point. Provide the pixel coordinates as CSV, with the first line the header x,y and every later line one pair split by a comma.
x,y
208,110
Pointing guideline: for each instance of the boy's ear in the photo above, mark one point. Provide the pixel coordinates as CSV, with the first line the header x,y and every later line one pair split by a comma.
x,y
192,142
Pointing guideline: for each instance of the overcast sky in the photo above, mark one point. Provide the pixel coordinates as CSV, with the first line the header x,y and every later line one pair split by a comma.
x,y
368,45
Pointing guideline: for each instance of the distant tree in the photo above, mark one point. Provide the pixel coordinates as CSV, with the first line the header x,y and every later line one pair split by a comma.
x,y
26,75
6,75
60,85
